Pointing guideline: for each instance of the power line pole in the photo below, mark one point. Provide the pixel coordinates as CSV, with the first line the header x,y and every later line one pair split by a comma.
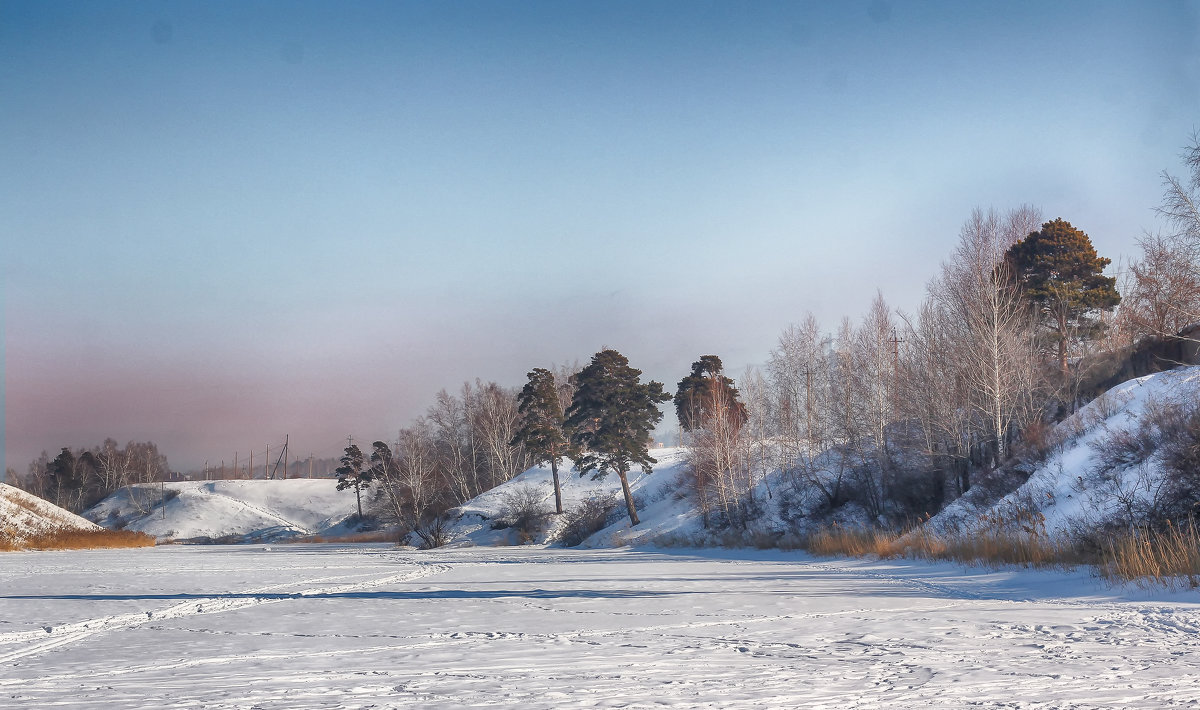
x,y
285,456
250,471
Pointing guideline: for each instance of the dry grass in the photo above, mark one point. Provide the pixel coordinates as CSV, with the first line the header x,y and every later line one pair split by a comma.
x,y
85,540
1170,559
1021,541
1152,559
853,542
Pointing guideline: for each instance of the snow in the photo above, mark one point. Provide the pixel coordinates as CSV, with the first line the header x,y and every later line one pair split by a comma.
x,y
23,515
261,510
1067,489
325,626
659,497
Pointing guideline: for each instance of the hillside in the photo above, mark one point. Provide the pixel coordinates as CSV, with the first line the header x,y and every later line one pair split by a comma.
x,y
215,510
24,516
1073,489
660,509
1066,491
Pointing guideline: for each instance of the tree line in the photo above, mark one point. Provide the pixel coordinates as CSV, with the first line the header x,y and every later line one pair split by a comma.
x,y
78,478
887,419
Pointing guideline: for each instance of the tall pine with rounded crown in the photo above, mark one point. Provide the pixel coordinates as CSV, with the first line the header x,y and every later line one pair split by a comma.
x,y
611,417
1059,271
354,474
701,392
541,431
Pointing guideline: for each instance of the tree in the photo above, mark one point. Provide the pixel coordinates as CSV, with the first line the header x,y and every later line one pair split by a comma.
x,y
713,417
541,431
611,417
990,330
1058,270
696,396
354,474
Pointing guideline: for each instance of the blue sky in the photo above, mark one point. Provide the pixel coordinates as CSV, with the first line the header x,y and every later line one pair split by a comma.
x,y
224,222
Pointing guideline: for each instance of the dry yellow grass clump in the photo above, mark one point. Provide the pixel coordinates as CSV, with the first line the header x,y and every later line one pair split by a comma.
x,y
1170,558
86,540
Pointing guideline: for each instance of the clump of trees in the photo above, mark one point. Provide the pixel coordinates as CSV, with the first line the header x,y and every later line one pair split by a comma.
x,y
76,479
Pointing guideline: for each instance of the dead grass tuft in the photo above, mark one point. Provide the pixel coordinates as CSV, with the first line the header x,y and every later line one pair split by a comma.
x,y
1169,559
85,540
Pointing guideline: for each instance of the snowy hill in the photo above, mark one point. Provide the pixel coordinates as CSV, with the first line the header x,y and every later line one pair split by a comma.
x,y
251,510
659,498
1072,488
24,516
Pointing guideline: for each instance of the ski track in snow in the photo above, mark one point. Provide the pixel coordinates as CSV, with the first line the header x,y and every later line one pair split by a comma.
x,y
550,629
52,637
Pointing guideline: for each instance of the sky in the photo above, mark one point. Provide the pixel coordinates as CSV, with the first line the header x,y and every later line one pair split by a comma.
x,y
227,222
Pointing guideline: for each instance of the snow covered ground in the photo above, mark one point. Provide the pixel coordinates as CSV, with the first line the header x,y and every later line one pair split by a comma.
x,y
322,626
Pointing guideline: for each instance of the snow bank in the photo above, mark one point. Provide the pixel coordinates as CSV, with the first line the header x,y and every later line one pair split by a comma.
x,y
24,516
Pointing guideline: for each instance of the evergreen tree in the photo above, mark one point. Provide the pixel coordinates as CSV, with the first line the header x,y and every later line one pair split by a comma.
x,y
704,389
1058,270
541,430
611,417
354,474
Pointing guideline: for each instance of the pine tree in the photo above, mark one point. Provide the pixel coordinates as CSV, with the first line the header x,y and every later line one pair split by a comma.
x,y
354,474
541,430
611,417
1058,270
699,392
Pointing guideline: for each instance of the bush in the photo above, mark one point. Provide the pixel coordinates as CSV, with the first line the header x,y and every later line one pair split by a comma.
x,y
524,509
586,519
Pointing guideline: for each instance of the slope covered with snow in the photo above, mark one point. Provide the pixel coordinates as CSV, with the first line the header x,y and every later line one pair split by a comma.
x,y
1072,489
24,516
214,510
659,497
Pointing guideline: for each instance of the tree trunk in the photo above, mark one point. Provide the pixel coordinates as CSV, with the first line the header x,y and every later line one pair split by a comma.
x,y
633,517
358,495
557,491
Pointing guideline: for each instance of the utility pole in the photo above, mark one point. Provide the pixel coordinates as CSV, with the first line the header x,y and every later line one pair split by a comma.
x,y
235,468
310,464
250,471
285,456
267,462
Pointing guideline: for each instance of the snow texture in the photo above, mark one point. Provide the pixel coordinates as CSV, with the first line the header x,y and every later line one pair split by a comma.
x,y
297,627
23,516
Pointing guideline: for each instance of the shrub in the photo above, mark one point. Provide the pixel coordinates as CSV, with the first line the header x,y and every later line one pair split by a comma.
x,y
586,519
524,509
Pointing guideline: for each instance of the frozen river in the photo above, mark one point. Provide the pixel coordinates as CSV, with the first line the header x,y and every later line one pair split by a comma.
x,y
314,626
